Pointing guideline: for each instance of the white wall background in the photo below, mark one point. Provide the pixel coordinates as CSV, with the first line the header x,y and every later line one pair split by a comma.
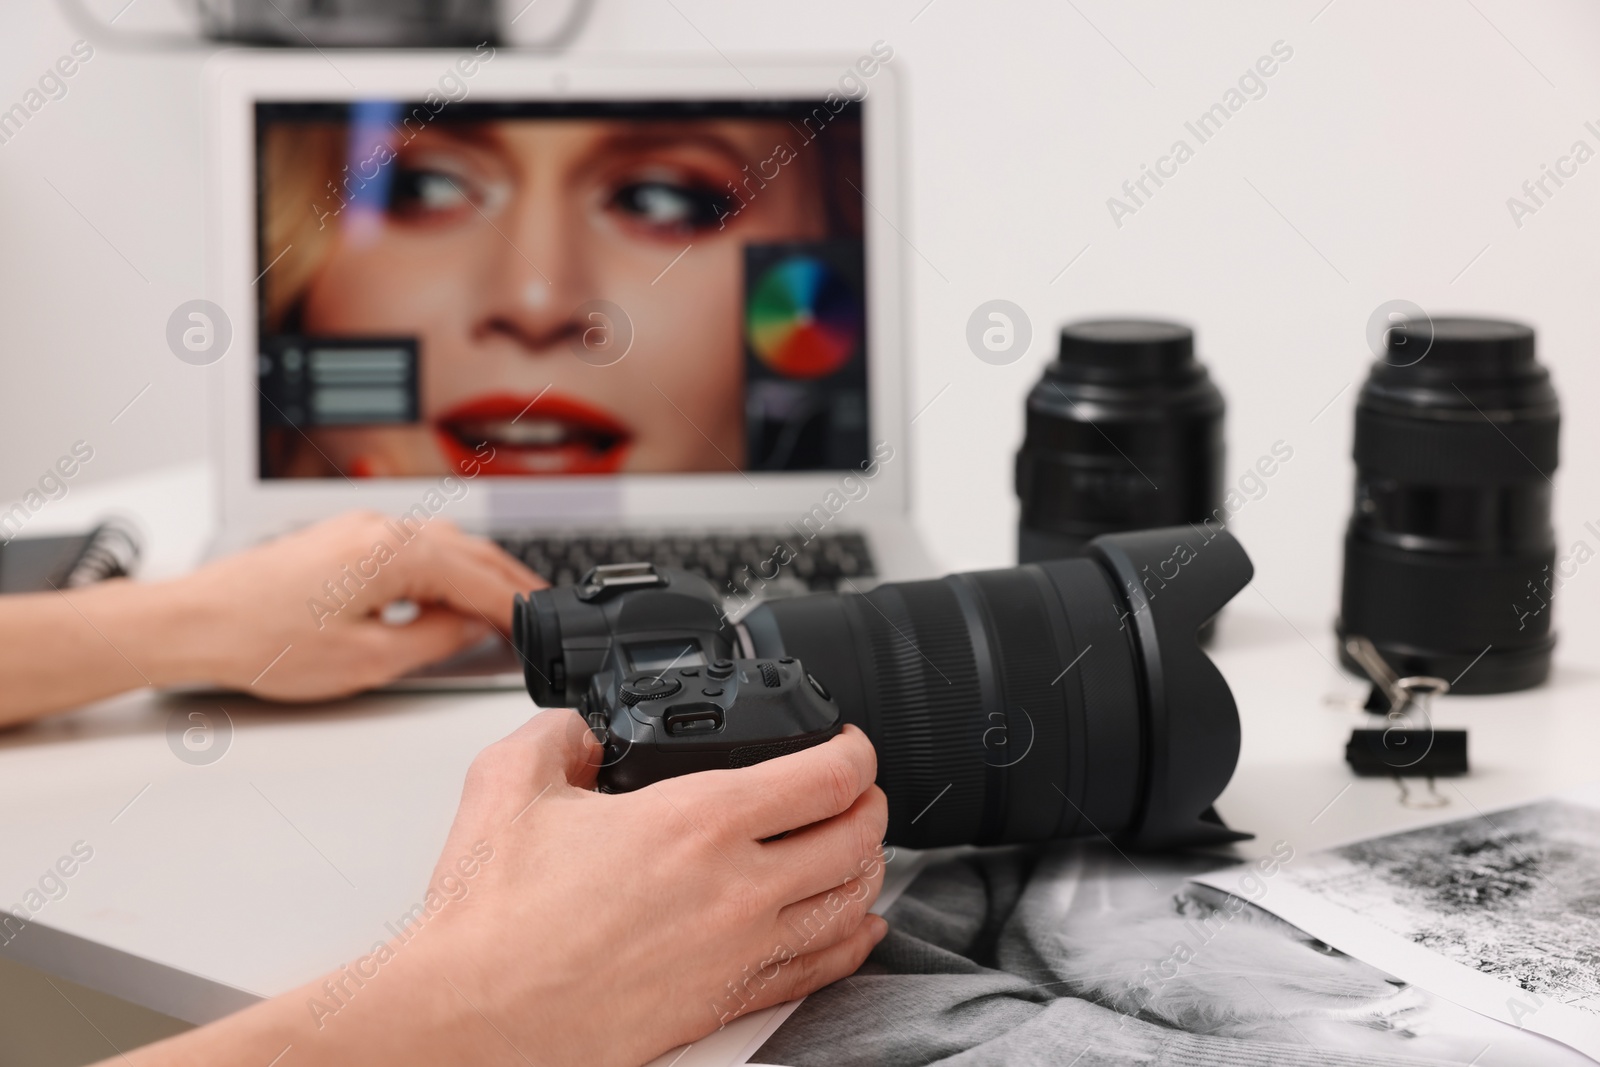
x,y
1377,166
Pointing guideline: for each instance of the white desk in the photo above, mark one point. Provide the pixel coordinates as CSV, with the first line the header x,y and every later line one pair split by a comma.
x,y
213,885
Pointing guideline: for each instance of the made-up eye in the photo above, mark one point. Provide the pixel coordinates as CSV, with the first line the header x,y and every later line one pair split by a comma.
x,y
669,206
436,186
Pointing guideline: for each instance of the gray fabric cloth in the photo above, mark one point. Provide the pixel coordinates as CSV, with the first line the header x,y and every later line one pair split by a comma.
x,y
971,974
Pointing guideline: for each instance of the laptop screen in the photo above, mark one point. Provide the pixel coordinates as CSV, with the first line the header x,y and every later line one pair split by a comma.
x,y
543,289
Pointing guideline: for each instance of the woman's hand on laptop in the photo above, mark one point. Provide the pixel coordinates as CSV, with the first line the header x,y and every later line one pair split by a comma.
x,y
296,619
302,617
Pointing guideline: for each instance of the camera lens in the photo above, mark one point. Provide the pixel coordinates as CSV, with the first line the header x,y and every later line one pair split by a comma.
x,y
1060,698
1124,432
1447,565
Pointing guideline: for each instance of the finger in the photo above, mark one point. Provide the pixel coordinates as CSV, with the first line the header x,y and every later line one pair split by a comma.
x,y
790,791
830,917
557,747
459,580
849,845
513,569
804,975
552,755
492,556
433,635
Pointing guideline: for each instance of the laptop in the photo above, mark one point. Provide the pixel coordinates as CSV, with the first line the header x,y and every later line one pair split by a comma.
x,y
601,311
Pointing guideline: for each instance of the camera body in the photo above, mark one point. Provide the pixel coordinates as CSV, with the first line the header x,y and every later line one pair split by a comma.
x,y
725,713
665,694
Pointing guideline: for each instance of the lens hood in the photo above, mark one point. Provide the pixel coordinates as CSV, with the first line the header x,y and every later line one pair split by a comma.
x,y
1173,581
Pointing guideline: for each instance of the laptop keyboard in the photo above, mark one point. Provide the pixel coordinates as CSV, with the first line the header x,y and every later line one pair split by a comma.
x,y
730,561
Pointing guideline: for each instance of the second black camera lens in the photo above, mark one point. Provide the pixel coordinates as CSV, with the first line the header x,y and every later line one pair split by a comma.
x,y
1124,432
1448,555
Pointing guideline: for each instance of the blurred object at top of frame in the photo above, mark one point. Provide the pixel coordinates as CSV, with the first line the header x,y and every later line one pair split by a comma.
x,y
531,24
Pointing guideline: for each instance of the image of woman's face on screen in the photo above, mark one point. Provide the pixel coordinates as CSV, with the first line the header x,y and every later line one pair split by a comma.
x,y
489,246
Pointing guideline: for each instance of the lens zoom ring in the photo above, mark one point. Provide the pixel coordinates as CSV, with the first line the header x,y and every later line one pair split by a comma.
x,y
1034,748
1473,451
926,693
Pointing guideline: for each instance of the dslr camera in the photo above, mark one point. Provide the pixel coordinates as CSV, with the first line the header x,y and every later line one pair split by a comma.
x,y
1054,699
669,688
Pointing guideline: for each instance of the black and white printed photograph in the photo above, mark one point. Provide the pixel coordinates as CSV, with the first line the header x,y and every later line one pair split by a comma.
x,y
1515,894
1076,954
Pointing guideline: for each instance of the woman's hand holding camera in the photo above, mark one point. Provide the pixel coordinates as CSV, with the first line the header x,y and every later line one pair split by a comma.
x,y
600,929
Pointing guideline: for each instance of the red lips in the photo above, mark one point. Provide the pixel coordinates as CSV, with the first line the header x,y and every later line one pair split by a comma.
x,y
542,434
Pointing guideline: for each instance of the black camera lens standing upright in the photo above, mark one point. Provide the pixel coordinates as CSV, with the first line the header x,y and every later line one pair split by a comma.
x,y
1448,556
1124,432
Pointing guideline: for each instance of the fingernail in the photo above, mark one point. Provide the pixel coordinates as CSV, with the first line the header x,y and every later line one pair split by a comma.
x,y
880,926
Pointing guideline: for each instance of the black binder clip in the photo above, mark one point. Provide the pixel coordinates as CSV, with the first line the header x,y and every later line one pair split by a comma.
x,y
1403,747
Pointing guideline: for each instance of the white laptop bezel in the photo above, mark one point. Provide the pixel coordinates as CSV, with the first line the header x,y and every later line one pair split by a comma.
x,y
253,507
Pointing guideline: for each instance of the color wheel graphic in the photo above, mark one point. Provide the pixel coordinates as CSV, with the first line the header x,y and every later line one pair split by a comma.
x,y
803,319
